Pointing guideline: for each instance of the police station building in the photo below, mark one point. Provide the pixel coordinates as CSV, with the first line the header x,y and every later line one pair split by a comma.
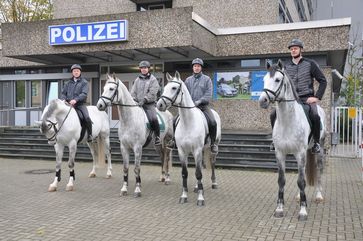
x,y
235,38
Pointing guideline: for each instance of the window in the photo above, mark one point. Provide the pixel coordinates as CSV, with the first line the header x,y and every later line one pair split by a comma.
x,y
250,63
36,93
153,6
20,93
53,91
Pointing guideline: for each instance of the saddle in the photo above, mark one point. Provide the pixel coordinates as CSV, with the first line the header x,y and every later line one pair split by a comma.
x,y
83,123
148,126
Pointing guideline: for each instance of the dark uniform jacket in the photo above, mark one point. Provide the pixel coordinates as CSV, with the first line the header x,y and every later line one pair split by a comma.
x,y
303,74
77,90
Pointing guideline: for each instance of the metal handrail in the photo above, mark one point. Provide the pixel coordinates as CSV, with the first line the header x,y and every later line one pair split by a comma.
x,y
7,113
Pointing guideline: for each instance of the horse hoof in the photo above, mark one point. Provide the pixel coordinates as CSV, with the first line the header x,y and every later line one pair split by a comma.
x,y
302,217
69,188
108,176
52,189
214,186
200,203
195,190
92,175
167,182
183,200
162,179
123,193
278,214
319,200
137,194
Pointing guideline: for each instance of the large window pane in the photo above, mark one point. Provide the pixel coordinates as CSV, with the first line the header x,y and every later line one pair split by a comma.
x,y
20,93
36,93
53,91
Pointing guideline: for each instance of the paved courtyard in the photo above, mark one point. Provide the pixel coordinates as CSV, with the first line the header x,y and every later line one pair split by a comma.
x,y
241,209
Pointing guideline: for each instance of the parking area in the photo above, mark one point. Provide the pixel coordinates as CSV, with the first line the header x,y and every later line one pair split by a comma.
x,y
240,209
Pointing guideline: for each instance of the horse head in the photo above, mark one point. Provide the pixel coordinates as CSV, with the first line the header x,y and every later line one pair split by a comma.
x,y
274,81
172,92
110,92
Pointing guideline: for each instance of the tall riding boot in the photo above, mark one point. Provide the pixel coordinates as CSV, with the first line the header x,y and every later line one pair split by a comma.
x,y
316,135
171,144
89,129
156,128
213,134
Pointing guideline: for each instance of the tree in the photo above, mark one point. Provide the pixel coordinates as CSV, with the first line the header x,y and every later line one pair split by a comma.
x,y
25,10
351,91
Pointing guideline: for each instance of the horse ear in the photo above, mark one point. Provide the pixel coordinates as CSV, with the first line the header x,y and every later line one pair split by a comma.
x,y
168,76
177,75
114,75
268,65
280,64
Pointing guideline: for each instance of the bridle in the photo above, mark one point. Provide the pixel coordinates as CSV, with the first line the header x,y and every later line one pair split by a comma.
x,y
277,92
173,99
115,94
54,126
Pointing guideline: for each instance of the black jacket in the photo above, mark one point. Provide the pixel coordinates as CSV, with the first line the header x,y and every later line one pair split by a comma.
x,y
77,90
303,75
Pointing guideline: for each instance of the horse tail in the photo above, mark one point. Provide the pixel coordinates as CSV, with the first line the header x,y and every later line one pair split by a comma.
x,y
310,168
100,151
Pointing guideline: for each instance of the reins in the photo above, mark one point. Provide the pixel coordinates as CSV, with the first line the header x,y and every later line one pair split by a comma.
x,y
113,97
278,91
54,125
172,100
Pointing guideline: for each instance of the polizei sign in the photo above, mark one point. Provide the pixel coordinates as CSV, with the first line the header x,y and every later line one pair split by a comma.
x,y
82,33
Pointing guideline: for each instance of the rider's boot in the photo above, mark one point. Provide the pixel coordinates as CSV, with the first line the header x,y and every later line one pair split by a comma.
x,y
89,130
272,147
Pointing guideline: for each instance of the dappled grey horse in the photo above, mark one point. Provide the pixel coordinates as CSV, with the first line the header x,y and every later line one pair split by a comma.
x,y
291,136
190,134
133,132
62,127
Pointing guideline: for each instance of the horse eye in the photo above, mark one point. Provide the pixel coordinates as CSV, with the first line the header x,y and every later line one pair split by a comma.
x,y
277,80
174,88
112,89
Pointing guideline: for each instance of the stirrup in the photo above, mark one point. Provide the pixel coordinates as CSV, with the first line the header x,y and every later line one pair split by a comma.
x,y
272,147
90,138
214,148
316,148
157,141
171,145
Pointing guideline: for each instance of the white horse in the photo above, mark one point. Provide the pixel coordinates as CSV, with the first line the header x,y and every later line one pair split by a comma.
x,y
291,136
190,133
61,126
133,132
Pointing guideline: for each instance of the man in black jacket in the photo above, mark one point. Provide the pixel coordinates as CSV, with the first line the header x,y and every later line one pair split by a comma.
x,y
302,72
75,92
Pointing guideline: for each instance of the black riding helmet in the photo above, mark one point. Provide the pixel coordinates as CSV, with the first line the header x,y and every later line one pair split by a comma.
x,y
198,61
76,66
296,42
144,63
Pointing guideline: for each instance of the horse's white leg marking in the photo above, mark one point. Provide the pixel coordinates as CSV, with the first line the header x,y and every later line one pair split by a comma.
x,y
59,155
320,165
125,156
279,212
72,154
108,156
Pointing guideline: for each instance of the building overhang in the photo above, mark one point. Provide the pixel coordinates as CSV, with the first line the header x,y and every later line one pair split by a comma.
x,y
176,34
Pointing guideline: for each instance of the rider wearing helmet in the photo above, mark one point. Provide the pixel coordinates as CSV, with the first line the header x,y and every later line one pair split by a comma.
x,y
144,92
302,72
75,92
200,88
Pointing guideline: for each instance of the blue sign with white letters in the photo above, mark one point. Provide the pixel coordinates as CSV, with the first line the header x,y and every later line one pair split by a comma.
x,y
82,33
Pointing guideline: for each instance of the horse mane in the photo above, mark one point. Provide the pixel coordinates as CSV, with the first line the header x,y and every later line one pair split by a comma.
x,y
276,68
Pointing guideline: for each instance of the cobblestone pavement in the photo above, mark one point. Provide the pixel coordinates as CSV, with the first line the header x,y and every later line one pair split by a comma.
x,y
241,209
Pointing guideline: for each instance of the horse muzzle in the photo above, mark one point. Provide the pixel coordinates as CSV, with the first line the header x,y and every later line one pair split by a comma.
x,y
264,101
161,105
101,105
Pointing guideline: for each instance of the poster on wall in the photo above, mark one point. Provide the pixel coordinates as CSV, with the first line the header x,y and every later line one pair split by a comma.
x,y
246,85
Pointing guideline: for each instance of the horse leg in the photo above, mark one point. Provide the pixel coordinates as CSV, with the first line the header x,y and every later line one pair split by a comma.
x,y
125,156
320,166
72,154
213,165
92,147
160,151
279,212
166,166
198,157
184,163
138,154
59,155
300,158
108,156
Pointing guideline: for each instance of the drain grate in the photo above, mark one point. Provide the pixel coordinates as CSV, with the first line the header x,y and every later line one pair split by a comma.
x,y
40,171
